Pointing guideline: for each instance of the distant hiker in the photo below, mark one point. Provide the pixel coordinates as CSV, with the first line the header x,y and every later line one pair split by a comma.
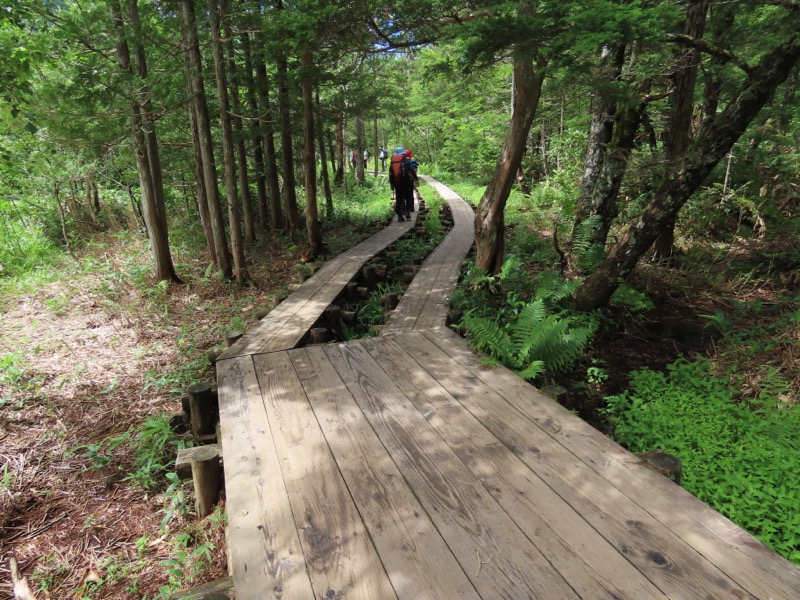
x,y
383,155
402,178
353,159
366,158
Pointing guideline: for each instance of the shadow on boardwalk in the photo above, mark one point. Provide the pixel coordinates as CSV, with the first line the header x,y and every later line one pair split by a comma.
x,y
399,467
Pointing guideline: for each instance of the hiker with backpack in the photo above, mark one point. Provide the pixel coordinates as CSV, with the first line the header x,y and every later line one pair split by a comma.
x,y
402,178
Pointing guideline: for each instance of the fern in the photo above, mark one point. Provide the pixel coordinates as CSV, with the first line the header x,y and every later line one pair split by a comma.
x,y
587,252
535,344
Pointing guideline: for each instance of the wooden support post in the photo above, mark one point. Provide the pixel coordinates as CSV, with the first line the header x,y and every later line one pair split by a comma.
x,y
205,475
666,464
333,316
363,291
221,589
368,273
320,335
203,408
352,289
558,393
390,301
232,337
186,456
348,316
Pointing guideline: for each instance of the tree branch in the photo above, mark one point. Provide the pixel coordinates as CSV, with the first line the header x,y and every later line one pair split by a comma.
x,y
709,48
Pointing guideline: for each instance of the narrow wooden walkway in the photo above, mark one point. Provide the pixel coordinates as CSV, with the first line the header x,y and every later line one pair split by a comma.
x,y
398,467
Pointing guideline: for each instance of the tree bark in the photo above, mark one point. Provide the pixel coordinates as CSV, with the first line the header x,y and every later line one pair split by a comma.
x,y
323,160
601,131
713,141
255,133
216,8
340,168
238,137
489,223
681,105
200,107
145,144
360,149
266,123
310,171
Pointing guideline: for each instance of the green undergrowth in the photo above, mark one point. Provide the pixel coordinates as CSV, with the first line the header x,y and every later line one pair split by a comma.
x,y
369,312
740,457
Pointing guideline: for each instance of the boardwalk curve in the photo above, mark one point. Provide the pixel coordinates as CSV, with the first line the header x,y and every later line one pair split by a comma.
x,y
400,468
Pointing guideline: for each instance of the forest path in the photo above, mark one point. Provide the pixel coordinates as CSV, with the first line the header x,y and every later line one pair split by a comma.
x,y
401,467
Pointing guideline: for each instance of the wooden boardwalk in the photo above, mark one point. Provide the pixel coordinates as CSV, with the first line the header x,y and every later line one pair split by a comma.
x,y
398,467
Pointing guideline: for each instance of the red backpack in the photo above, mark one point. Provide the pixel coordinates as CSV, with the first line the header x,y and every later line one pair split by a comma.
x,y
399,168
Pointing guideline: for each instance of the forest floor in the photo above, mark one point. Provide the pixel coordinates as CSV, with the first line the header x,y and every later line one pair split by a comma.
x,y
91,357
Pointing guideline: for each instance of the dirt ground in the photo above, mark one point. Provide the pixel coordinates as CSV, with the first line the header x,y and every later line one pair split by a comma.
x,y
83,358
86,355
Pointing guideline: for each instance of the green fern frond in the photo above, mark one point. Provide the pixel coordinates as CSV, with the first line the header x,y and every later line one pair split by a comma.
x,y
533,370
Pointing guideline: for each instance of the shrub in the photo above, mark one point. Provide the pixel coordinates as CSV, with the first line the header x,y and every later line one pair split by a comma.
x,y
742,459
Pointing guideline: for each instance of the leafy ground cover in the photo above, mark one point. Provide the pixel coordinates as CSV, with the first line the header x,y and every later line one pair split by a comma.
x,y
93,358
699,357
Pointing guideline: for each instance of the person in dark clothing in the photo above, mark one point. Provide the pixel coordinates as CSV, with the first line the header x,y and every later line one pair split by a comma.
x,y
402,178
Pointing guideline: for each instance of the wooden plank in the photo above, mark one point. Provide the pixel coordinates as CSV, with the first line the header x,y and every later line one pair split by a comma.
x,y
416,558
594,568
266,555
732,551
283,328
339,556
468,518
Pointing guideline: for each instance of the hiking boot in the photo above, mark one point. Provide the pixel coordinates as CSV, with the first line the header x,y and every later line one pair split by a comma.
x,y
400,218
408,216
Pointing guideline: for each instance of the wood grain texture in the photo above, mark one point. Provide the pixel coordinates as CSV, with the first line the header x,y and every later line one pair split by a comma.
x,y
284,327
266,555
591,564
469,519
416,558
340,559
424,304
741,564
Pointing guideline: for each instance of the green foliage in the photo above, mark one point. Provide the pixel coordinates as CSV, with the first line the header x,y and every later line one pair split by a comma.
x,y
192,552
521,324
588,254
536,343
741,459
153,446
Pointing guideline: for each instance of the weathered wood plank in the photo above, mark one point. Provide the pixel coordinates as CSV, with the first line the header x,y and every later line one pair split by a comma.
x,y
736,561
469,519
266,555
284,327
424,305
593,566
339,556
416,558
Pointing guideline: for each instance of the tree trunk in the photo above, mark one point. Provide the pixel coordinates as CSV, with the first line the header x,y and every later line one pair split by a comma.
x,y
681,105
489,224
255,134
268,138
600,132
145,145
323,160
200,107
375,146
287,158
202,199
215,8
360,150
713,141
310,170
238,135
340,168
